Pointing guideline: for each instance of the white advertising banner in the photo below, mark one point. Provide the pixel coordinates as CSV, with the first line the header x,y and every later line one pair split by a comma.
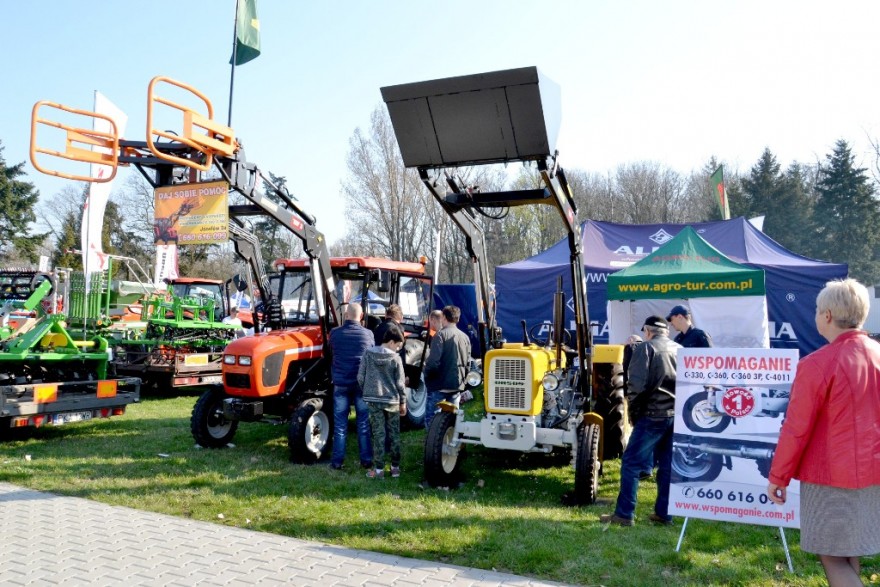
x,y
729,407
166,265
94,258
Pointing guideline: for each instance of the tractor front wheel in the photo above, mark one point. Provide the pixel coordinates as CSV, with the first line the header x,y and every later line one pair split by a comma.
x,y
586,469
208,425
310,432
442,459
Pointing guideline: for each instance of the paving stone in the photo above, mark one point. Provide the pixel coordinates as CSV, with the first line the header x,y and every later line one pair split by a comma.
x,y
51,539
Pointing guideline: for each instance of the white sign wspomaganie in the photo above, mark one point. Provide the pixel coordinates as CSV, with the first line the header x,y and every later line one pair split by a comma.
x,y
729,408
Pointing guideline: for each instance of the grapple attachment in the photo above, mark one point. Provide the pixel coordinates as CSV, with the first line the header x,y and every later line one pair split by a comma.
x,y
216,140
81,144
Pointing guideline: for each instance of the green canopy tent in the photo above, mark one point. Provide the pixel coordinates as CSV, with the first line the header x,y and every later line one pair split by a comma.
x,y
726,299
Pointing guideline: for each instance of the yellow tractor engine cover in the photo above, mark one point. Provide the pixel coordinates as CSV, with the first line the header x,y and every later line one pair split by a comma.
x,y
513,376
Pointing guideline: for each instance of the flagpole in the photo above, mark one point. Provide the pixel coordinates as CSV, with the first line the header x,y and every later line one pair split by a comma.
x,y
234,57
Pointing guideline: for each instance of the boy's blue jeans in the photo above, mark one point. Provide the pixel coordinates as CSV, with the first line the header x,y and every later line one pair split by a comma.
x,y
344,397
647,434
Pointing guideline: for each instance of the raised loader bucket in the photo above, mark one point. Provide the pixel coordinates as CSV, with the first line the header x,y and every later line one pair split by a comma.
x,y
510,115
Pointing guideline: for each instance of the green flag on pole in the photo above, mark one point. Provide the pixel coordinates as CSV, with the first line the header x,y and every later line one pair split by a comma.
x,y
717,180
247,33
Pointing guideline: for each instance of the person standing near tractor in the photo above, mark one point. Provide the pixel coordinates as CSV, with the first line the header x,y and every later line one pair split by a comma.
x,y
349,342
446,367
688,336
651,396
381,378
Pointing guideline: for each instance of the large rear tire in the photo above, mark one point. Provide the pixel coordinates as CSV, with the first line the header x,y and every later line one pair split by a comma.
x,y
416,403
310,432
612,406
442,460
208,425
586,468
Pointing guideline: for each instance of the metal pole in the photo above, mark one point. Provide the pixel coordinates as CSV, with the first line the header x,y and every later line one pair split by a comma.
x,y
232,69
787,553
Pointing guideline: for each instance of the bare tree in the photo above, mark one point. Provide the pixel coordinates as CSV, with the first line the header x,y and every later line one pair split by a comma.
x,y
649,192
390,211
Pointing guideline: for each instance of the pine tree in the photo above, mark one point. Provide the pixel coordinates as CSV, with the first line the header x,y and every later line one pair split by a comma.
x,y
17,201
846,218
68,240
781,198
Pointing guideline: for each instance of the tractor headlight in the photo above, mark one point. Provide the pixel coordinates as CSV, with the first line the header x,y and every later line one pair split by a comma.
x,y
474,378
550,382
229,359
244,361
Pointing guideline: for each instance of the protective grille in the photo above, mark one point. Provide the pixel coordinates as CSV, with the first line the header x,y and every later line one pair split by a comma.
x,y
510,387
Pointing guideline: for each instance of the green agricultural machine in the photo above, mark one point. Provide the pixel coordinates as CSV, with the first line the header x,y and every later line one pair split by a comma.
x,y
179,340
54,365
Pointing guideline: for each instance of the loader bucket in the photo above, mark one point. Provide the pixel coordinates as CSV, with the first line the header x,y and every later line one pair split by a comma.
x,y
510,115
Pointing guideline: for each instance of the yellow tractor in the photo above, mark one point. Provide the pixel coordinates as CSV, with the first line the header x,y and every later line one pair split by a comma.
x,y
541,394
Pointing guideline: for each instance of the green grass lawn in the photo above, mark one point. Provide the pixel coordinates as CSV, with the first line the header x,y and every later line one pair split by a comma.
x,y
507,516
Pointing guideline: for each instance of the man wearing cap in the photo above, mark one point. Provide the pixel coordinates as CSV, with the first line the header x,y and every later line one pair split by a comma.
x,y
688,336
651,396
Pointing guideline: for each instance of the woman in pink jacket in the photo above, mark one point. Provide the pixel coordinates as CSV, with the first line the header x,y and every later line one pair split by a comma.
x,y
830,440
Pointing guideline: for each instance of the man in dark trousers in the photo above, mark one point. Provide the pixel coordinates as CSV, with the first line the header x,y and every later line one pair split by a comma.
x,y
446,366
349,342
688,336
651,396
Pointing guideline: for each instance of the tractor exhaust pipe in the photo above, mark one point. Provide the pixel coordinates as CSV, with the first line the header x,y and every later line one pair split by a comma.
x,y
558,319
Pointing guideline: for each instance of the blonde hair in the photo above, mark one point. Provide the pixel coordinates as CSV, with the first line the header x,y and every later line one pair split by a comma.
x,y
847,300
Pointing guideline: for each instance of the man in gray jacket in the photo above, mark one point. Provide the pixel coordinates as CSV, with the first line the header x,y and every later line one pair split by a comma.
x,y
446,367
651,395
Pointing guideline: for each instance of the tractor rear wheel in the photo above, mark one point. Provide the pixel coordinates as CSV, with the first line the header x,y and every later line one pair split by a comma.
x,y
208,425
586,468
310,432
416,402
612,406
442,460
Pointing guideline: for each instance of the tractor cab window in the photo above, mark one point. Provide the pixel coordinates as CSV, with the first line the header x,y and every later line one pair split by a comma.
x,y
414,297
350,288
297,296
204,293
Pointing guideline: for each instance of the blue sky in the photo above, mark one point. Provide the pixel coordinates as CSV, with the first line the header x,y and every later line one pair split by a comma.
x,y
673,81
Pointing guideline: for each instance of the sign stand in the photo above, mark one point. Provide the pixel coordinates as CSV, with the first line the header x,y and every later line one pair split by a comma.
x,y
781,535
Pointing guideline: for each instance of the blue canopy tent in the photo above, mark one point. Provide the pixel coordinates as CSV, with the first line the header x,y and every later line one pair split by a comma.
x,y
525,289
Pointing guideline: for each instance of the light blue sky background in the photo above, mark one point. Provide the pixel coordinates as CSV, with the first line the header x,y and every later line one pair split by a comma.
x,y
672,81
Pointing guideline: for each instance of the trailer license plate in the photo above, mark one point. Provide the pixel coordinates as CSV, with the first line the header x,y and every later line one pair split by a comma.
x,y
59,419
212,379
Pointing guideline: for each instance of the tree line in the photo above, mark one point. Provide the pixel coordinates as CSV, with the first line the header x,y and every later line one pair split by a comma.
x,y
827,210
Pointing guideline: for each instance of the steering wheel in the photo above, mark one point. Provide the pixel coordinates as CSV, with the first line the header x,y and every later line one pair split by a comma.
x,y
544,340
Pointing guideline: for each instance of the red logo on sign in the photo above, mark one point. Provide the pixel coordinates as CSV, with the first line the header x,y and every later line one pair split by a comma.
x,y
738,402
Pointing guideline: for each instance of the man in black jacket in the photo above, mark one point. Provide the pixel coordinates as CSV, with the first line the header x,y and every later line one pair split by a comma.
x,y
651,396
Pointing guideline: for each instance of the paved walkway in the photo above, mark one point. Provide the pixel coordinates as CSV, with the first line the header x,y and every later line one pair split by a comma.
x,y
48,539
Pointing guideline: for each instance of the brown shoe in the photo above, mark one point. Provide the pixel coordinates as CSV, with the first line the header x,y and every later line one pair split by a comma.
x,y
658,520
616,520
